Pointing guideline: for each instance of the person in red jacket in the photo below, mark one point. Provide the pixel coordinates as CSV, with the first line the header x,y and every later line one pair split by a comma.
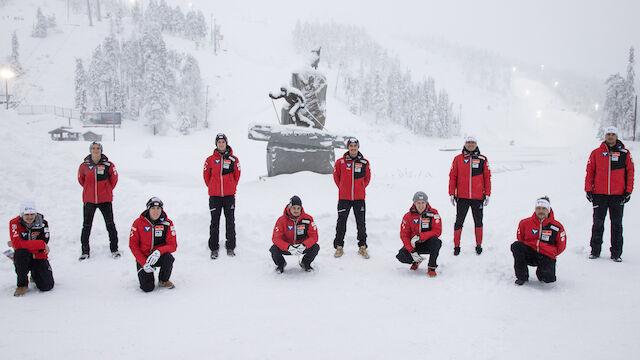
x,y
29,234
152,240
541,238
98,177
419,232
221,175
295,233
352,174
469,186
609,184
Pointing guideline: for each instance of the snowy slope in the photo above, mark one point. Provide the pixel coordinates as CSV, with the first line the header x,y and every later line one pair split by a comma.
x,y
349,308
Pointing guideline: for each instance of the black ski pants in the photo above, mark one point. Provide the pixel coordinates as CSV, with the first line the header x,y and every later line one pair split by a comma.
x,y
359,211
463,208
89,210
431,246
602,204
216,205
309,255
40,270
524,256
165,262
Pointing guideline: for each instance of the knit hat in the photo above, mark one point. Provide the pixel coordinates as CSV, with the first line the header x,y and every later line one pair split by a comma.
x,y
221,136
295,200
611,130
471,138
95,143
352,140
420,195
543,203
154,201
28,207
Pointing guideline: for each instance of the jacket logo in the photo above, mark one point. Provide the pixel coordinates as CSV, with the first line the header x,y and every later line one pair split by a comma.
x,y
415,221
23,234
34,235
218,161
348,166
534,231
91,167
605,153
289,227
147,228
547,232
466,161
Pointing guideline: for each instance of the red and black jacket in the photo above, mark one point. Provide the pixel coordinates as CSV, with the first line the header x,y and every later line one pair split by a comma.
x,y
290,230
547,237
97,180
610,170
426,225
352,176
222,173
147,236
34,238
470,176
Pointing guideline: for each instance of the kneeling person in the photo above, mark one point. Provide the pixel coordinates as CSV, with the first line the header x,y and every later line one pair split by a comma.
x,y
419,232
540,239
152,240
295,233
30,237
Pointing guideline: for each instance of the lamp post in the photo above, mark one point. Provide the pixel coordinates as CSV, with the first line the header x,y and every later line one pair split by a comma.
x,y
7,74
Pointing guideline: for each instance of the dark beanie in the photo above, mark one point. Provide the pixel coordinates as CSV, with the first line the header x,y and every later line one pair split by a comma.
x,y
295,200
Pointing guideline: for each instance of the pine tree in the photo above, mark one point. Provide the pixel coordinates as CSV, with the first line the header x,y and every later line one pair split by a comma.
x,y
631,93
613,110
40,29
14,59
190,92
95,79
80,87
156,97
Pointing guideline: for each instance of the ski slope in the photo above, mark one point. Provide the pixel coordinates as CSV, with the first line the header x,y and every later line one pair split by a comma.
x,y
349,308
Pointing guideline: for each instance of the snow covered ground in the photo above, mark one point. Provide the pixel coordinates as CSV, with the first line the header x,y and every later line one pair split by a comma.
x,y
348,308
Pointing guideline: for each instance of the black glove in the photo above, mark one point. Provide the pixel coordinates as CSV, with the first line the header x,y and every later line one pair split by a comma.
x,y
271,96
627,197
590,196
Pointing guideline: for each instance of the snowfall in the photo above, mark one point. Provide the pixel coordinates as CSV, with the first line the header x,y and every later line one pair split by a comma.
x,y
348,308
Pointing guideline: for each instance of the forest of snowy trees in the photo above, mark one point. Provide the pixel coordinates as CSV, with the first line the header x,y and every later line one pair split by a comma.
x,y
372,81
620,104
140,77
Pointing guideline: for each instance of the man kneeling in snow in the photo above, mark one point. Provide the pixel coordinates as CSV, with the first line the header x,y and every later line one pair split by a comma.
x,y
295,233
152,240
540,239
419,232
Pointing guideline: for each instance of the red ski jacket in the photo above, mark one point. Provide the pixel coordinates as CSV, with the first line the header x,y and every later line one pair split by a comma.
x,y
352,176
610,171
146,236
470,176
97,180
427,225
222,173
546,237
33,239
290,230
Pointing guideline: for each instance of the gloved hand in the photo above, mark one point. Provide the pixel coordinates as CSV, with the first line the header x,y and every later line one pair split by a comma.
x,y
153,258
416,257
271,96
297,249
454,200
627,197
486,201
590,196
147,268
415,240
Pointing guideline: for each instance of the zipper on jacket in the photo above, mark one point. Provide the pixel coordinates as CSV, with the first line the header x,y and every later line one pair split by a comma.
x,y
609,179
95,174
221,181
353,178
539,235
153,235
295,231
470,174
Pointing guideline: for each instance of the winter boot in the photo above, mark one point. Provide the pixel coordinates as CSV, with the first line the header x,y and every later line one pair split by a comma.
x,y
231,253
432,272
280,269
21,290
478,249
456,250
616,259
83,257
214,254
593,256
520,282
339,252
414,265
363,251
306,267
166,284
115,254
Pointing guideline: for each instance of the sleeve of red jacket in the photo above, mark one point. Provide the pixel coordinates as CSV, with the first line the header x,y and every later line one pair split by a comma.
x,y
367,176
487,178
236,173
81,175
18,243
134,244
405,232
453,177
562,244
278,235
171,242
520,232
436,227
336,173
113,175
591,172
630,172
206,172
313,235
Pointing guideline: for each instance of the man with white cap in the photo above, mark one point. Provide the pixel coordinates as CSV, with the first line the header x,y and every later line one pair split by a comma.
x,y
419,232
609,184
469,187
30,237
541,238
98,177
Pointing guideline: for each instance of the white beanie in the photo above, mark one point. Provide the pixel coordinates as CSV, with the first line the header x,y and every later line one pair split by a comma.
x,y
611,130
543,203
28,207
471,138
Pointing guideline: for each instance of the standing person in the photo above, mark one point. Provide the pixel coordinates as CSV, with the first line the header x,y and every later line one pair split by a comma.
x,y
98,177
352,174
540,239
221,175
152,240
609,184
419,232
295,233
29,235
469,187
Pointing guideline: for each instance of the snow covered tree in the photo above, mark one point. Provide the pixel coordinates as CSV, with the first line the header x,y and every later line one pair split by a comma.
x,y
619,105
80,87
14,59
95,79
156,97
40,28
190,99
51,21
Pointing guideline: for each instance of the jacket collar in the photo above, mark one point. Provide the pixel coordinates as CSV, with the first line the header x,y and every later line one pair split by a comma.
x,y
414,210
466,152
103,158
348,157
162,218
